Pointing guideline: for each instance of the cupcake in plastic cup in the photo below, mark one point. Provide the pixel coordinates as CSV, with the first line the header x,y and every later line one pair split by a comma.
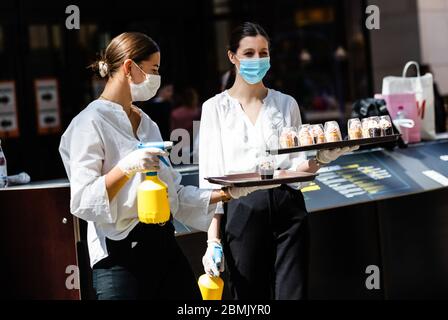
x,y
373,125
365,127
354,129
332,131
305,138
288,137
317,133
386,126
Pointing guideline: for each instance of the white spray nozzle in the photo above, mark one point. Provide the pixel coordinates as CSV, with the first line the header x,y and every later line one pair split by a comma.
x,y
405,123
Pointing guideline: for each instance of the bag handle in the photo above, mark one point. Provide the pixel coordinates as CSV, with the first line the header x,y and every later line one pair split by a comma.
x,y
418,84
406,67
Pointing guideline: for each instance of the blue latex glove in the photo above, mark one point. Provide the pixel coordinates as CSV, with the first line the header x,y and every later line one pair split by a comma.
x,y
213,260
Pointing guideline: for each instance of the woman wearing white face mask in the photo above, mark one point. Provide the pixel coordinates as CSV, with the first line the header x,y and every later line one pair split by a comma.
x,y
264,236
130,259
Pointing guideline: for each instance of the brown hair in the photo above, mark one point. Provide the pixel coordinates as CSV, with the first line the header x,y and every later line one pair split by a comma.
x,y
129,45
247,29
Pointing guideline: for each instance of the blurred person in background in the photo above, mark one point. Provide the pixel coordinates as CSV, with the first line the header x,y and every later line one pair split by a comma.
x,y
187,111
183,116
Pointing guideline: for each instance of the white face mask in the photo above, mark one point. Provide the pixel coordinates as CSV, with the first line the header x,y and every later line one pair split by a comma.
x,y
147,89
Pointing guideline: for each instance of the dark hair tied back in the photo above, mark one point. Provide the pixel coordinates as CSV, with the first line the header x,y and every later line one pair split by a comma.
x,y
129,45
247,29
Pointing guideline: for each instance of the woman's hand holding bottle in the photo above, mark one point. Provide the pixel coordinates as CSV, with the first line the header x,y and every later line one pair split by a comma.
x,y
141,160
213,259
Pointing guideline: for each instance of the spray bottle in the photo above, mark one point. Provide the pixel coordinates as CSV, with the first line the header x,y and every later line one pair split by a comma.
x,y
152,195
403,124
211,287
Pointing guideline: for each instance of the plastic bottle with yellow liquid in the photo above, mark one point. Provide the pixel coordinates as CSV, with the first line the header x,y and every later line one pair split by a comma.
x,y
152,194
210,284
211,287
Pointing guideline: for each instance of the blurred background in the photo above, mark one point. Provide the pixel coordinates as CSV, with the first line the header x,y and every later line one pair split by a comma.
x,y
321,54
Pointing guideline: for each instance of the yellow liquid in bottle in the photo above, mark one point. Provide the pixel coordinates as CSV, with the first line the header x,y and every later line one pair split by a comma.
x,y
152,200
211,287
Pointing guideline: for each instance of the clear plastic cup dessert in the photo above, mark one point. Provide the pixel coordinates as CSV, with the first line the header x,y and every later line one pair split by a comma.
x,y
386,126
266,167
332,131
365,128
354,129
305,137
288,137
317,133
373,125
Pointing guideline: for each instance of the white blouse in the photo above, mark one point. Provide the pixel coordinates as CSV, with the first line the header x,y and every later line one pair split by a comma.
x,y
92,145
230,143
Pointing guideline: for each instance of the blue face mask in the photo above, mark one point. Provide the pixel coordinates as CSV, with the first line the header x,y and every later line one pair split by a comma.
x,y
254,70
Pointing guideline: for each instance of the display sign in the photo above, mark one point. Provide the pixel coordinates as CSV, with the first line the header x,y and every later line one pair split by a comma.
x,y
9,127
375,175
47,105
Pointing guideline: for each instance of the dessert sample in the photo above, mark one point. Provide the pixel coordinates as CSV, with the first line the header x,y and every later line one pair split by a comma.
x,y
288,138
365,128
266,167
354,129
305,138
332,131
386,126
373,125
317,132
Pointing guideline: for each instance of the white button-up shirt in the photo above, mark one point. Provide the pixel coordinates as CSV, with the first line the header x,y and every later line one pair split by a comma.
x,y
92,145
230,143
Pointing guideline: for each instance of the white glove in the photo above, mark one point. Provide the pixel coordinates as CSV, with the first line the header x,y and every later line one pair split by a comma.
x,y
141,160
236,193
213,260
21,178
327,156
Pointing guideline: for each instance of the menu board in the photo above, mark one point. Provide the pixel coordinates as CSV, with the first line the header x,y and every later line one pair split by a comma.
x,y
47,105
9,127
354,180
376,175
434,154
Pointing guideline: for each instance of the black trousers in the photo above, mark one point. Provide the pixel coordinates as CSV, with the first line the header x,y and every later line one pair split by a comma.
x,y
155,268
265,241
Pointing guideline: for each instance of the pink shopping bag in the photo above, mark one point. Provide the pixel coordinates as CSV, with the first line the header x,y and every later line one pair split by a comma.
x,y
407,103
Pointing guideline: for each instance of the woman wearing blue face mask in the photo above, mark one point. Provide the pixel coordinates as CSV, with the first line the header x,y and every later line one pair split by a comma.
x,y
130,259
263,236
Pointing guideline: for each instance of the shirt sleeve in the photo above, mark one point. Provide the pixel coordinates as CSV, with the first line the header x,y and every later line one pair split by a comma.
x,y
296,120
194,207
82,152
211,158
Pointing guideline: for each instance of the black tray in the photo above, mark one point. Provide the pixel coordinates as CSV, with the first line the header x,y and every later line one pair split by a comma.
x,y
339,144
254,179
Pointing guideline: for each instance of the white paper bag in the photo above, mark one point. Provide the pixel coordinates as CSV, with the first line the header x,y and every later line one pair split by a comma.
x,y
422,86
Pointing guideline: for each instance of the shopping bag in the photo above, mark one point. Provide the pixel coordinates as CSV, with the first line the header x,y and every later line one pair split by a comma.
x,y
422,87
